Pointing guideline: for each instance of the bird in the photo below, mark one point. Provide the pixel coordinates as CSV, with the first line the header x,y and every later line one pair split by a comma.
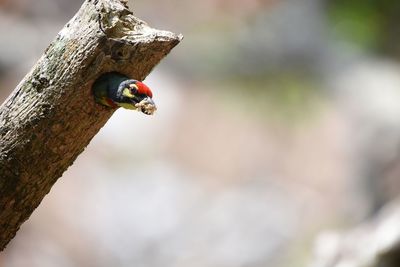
x,y
117,90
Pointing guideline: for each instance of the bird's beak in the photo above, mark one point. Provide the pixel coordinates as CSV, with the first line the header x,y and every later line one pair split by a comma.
x,y
150,101
147,106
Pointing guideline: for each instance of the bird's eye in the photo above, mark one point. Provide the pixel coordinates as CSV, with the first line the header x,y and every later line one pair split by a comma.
x,y
133,88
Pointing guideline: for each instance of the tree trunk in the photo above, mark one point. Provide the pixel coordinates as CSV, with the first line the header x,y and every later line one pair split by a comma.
x,y
51,116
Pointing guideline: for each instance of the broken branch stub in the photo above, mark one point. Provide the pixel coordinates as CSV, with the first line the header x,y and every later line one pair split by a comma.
x,y
51,116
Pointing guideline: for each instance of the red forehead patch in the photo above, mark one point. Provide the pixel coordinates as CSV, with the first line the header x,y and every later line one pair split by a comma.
x,y
144,89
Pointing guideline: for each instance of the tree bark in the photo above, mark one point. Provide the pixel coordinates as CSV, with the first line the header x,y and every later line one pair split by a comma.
x,y
51,116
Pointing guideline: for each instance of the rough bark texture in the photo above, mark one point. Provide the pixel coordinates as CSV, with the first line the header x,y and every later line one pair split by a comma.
x,y
51,116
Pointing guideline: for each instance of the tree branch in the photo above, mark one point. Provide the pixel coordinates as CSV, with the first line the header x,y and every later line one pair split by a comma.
x,y
51,116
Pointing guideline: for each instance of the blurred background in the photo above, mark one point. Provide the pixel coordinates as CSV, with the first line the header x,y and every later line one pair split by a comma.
x,y
277,120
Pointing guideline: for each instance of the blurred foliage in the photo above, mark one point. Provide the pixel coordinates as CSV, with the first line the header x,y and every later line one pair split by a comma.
x,y
370,24
289,97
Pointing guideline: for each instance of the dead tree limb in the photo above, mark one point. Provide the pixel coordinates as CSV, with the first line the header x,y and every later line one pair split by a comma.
x,y
51,116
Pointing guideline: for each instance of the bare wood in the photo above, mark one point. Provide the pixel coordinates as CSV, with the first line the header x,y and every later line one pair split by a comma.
x,y
51,116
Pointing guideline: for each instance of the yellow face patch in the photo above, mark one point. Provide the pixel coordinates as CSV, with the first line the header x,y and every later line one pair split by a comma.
x,y
126,92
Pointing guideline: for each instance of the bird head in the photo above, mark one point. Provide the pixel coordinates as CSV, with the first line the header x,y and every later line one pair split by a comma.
x,y
133,94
